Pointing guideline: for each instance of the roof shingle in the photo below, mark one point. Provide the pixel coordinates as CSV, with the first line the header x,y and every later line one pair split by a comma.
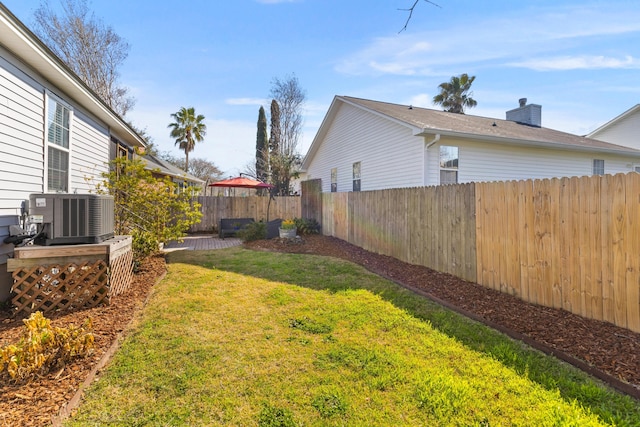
x,y
431,121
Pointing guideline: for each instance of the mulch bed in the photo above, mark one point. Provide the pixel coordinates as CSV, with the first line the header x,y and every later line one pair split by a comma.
x,y
610,350
38,401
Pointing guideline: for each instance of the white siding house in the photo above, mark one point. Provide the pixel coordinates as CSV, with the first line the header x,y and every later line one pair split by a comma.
x,y
56,135
370,145
622,130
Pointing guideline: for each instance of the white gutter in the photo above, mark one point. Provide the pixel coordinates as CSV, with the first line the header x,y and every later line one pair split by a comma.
x,y
531,143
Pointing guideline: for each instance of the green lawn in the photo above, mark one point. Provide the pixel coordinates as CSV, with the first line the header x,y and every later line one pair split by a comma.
x,y
240,338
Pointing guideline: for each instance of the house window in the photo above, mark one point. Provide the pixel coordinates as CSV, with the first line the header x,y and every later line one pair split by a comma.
x,y
58,129
448,165
334,180
119,149
598,167
356,176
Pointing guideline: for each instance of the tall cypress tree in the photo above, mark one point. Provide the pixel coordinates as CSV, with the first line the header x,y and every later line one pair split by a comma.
x,y
275,157
274,140
262,149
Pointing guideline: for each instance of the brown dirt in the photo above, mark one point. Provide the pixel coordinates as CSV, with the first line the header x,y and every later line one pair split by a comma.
x,y
610,350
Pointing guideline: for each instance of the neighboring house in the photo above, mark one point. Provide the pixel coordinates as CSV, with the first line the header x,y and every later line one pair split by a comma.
x,y
162,168
622,130
371,145
56,134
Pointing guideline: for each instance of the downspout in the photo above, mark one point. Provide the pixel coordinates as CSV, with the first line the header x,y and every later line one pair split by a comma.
x,y
428,145
435,139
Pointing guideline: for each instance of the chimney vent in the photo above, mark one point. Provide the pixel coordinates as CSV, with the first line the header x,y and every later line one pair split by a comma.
x,y
523,102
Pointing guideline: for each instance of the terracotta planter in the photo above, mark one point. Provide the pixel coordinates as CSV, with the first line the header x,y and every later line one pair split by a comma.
x,y
287,233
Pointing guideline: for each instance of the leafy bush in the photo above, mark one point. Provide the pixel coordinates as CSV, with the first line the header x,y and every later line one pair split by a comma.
x,y
253,231
154,207
43,348
307,226
144,244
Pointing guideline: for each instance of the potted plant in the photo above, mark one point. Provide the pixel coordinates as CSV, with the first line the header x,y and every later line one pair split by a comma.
x,y
288,229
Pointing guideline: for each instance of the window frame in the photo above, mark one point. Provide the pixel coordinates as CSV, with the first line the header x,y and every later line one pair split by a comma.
x,y
357,176
453,167
52,101
334,180
119,149
597,167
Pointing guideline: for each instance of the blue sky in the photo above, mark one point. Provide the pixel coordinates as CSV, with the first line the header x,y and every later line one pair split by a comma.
x,y
580,60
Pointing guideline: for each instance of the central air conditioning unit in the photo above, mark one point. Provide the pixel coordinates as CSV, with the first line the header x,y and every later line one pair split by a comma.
x,y
72,218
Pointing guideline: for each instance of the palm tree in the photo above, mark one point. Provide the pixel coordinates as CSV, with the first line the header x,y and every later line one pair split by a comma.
x,y
187,130
454,95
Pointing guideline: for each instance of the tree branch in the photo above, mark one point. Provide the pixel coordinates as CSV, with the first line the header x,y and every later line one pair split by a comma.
x,y
410,10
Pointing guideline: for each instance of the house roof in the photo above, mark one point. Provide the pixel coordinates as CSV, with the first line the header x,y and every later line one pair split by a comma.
x,y
165,168
615,120
17,38
425,122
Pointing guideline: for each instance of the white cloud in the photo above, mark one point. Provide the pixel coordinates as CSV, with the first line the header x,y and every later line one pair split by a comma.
x,y
578,63
513,39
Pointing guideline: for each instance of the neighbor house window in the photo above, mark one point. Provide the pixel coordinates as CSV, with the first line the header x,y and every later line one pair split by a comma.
x,y
598,167
356,176
58,126
334,180
448,165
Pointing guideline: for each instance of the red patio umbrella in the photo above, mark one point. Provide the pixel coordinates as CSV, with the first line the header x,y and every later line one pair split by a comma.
x,y
241,182
244,182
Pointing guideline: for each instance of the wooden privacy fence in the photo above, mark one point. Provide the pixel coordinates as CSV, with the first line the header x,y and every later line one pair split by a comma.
x,y
570,243
214,208
431,226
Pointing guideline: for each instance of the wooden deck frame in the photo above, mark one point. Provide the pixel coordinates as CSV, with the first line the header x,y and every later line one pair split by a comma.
x,y
46,277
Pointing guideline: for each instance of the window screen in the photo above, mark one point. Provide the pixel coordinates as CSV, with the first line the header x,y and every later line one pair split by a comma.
x,y
449,160
598,167
58,170
357,184
334,180
58,126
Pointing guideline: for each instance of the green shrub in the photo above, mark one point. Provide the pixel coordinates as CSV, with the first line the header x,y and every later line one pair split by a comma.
x,y
144,244
149,205
307,226
43,348
253,231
